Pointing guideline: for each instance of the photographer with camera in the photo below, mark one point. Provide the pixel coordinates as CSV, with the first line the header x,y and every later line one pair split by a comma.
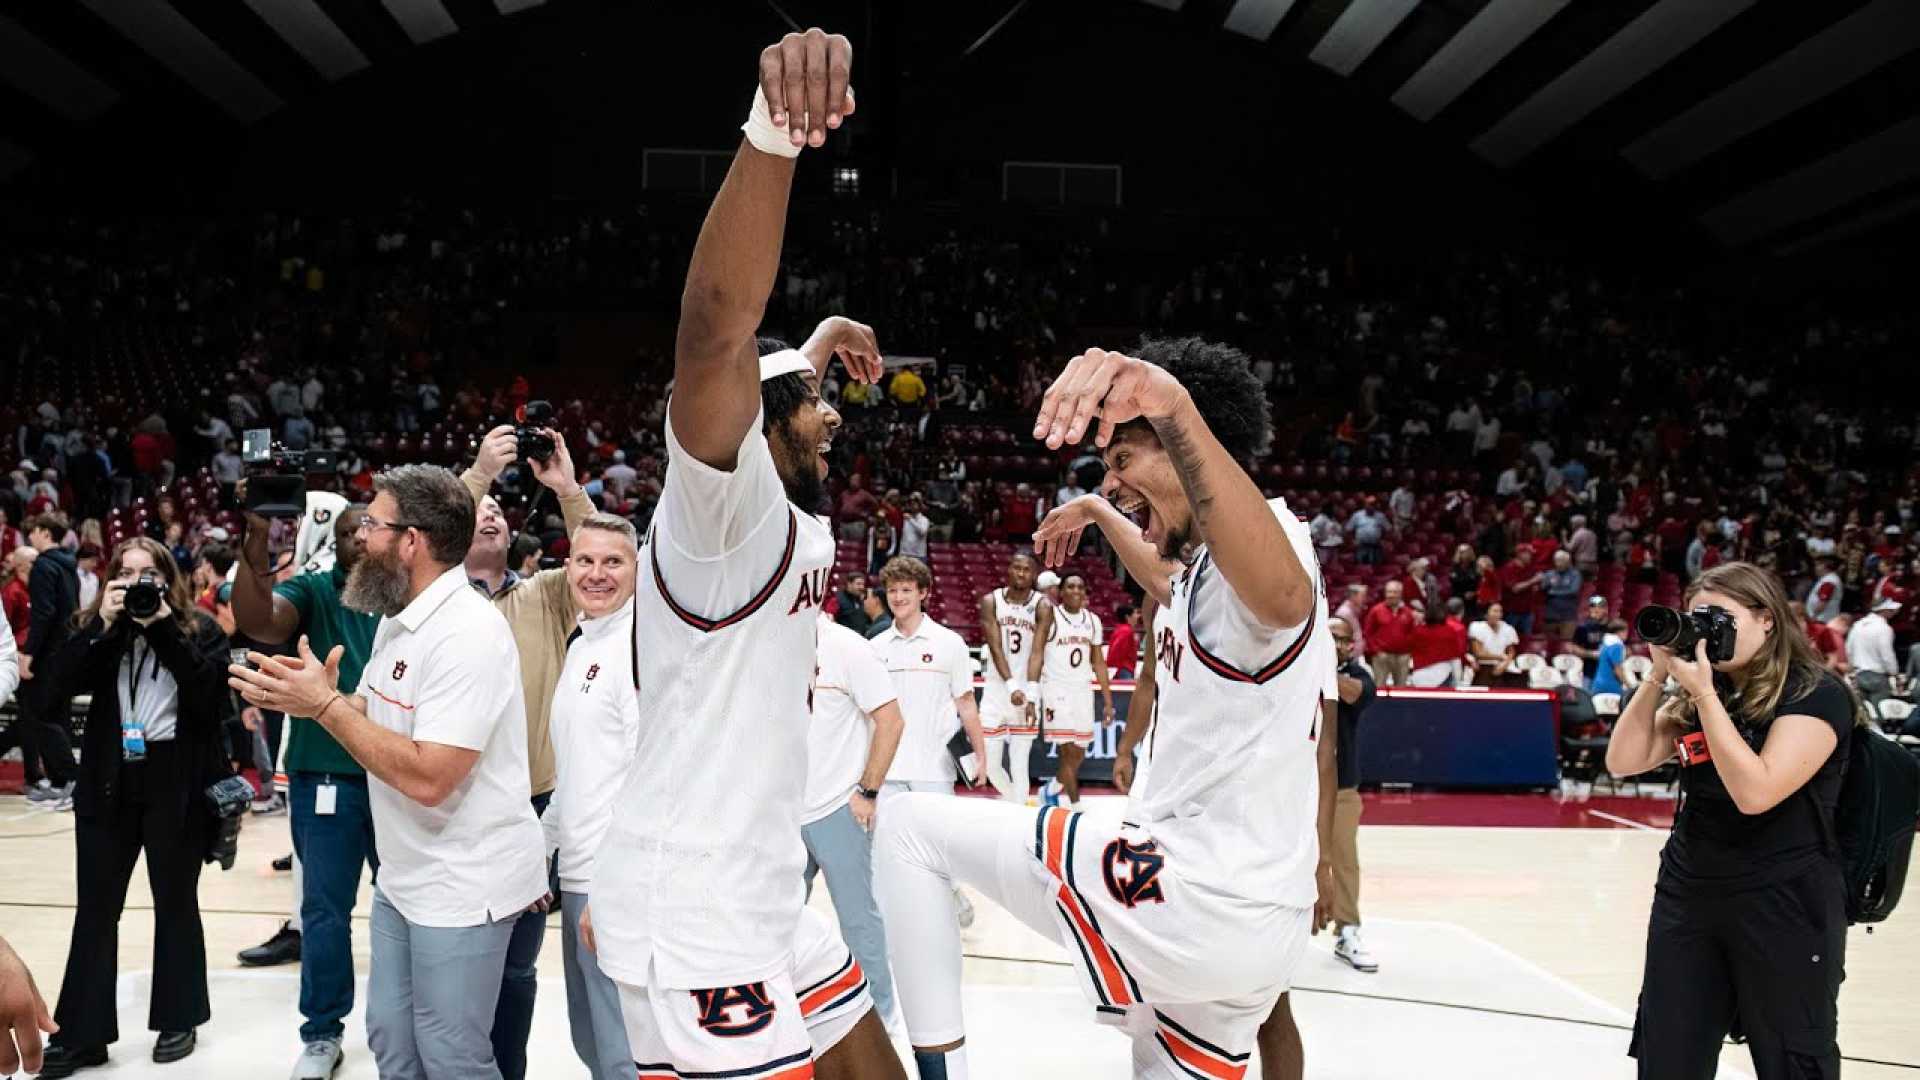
x,y
1749,922
155,666
541,612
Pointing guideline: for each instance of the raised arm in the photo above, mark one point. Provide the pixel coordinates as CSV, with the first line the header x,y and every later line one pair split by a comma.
x,y
259,612
1247,543
852,341
716,366
1059,536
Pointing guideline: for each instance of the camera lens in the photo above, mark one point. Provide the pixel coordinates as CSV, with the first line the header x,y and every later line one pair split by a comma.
x,y
143,597
1657,625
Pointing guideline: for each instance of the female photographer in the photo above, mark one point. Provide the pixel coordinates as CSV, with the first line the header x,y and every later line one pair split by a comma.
x,y
1748,931
156,668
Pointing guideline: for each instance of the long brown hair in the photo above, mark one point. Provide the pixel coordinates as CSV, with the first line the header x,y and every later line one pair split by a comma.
x,y
179,598
1787,658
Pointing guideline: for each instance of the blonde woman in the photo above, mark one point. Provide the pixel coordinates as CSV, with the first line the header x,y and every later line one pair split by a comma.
x,y
1749,917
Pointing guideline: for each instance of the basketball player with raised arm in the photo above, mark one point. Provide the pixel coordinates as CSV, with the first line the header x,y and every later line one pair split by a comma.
x,y
1189,914
1073,657
696,907
1014,621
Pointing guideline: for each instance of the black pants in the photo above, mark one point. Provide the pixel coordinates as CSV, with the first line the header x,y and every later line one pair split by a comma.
x,y
148,817
46,728
1770,960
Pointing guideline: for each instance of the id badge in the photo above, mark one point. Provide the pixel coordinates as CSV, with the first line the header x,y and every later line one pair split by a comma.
x,y
325,798
133,741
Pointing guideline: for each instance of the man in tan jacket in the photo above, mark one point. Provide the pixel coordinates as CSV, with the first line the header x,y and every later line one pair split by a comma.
x,y
541,613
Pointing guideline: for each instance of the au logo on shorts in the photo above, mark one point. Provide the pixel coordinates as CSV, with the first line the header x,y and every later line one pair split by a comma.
x,y
718,1015
399,670
1133,872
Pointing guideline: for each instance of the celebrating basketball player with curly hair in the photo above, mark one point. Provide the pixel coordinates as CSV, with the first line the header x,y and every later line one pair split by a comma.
x,y
1188,913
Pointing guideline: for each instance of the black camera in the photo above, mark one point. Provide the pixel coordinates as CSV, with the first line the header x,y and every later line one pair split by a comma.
x,y
1678,631
533,443
144,595
277,476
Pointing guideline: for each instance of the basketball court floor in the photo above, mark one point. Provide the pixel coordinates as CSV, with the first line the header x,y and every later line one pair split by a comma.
x,y
1510,931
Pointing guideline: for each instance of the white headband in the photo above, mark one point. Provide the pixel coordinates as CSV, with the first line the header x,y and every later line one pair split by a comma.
x,y
784,362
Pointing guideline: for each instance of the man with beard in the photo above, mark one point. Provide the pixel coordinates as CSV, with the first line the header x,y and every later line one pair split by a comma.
x,y
697,910
438,723
1191,912
541,611
332,822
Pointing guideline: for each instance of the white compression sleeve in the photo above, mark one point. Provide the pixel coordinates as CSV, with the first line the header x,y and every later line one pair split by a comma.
x,y
997,774
923,846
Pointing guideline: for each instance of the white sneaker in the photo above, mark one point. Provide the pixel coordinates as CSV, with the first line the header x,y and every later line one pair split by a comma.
x,y
1350,951
319,1061
962,909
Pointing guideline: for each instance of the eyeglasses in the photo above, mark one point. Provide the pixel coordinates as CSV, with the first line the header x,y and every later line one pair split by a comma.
x,y
371,522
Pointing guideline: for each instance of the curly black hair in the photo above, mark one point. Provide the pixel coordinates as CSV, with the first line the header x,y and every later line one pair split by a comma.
x,y
1220,378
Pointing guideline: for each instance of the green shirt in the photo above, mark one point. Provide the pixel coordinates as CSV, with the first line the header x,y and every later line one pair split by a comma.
x,y
326,623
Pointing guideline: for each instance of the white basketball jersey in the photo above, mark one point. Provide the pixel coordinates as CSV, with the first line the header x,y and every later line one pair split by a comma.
x,y
1069,661
1235,781
699,881
1018,623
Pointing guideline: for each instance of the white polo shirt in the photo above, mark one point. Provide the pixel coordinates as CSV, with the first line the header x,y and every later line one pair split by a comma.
x,y
596,725
852,682
445,671
929,668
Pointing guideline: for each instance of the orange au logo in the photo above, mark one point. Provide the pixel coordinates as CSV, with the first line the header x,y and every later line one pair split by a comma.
x,y
717,1015
399,670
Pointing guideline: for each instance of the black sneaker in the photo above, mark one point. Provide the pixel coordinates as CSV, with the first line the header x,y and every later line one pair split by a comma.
x,y
173,1045
282,948
66,1060
283,864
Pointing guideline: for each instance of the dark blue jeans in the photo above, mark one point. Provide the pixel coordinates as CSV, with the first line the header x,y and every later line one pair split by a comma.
x,y
332,848
513,1015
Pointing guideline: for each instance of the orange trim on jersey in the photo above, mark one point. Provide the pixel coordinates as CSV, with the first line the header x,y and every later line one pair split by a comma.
x,y
1195,1058
396,704
813,1002
1056,843
1107,966
802,1071
708,626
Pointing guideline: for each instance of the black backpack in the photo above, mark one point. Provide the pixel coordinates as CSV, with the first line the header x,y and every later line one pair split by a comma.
x,y
1873,823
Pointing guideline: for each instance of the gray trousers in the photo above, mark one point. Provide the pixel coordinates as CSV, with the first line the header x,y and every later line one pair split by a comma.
x,y
1874,686
838,845
431,996
593,1001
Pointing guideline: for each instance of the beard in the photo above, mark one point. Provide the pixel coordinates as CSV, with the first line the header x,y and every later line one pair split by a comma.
x,y
794,460
377,585
1174,545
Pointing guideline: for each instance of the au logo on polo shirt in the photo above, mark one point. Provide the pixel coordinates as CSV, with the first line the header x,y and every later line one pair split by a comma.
x,y
399,670
593,672
926,658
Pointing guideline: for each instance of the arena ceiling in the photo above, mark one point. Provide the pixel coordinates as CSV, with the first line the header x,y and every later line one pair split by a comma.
x,y
1777,124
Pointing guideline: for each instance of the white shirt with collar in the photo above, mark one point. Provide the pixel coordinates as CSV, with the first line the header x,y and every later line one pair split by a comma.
x,y
1870,646
445,671
852,683
930,669
596,725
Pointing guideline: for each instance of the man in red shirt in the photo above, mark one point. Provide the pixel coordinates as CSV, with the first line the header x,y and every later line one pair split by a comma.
x,y
1123,648
857,504
1520,592
1389,631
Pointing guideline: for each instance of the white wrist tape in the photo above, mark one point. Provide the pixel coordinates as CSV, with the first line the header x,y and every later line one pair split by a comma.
x,y
765,135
